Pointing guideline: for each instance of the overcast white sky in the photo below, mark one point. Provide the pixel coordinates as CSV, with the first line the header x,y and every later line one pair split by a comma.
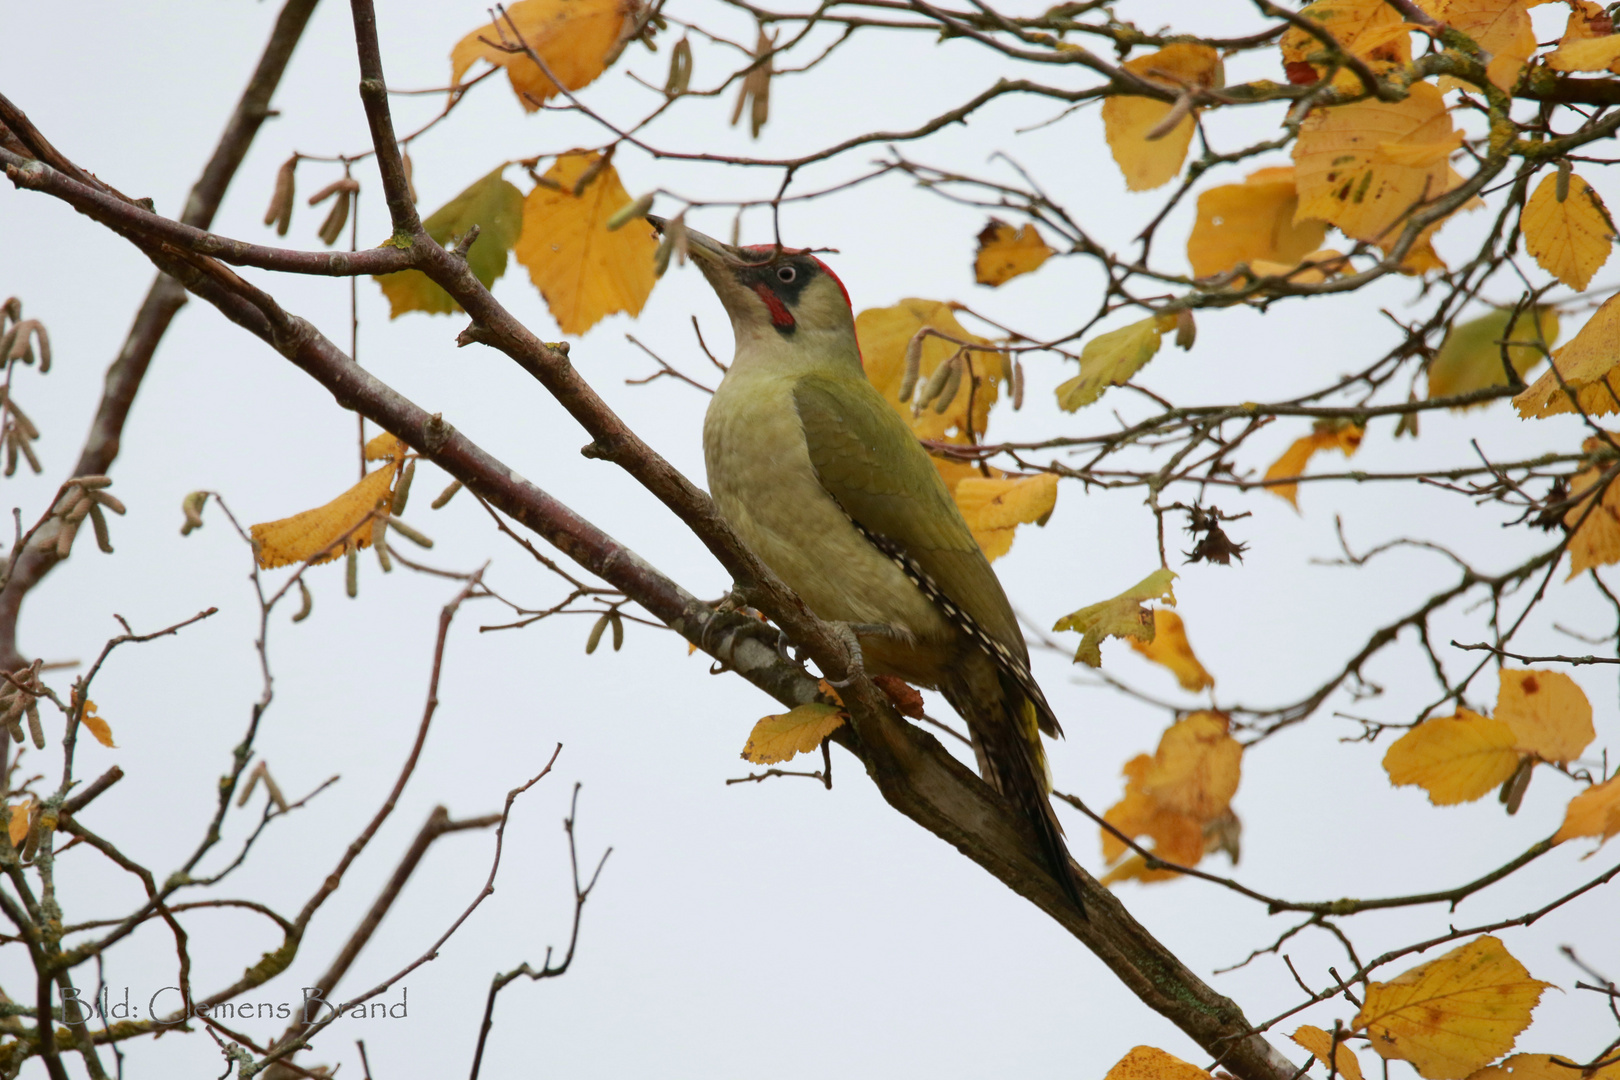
x,y
777,929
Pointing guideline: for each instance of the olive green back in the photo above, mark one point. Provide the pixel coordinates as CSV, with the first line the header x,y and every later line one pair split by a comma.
x,y
871,463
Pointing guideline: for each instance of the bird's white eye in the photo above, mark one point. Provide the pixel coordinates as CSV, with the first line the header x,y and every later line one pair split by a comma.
x,y
786,274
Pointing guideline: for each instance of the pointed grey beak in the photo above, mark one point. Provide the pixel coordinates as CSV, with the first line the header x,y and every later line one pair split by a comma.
x,y
710,249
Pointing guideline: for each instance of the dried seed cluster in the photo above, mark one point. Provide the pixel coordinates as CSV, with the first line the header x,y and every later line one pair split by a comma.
x,y
84,497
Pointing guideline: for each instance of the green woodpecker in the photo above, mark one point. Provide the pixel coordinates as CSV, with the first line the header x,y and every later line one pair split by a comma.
x,y
825,482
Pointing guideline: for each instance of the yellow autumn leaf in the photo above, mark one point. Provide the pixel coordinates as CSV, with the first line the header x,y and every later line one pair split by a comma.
x,y
1586,20
1418,155
1596,537
1326,435
884,333
1570,239
1586,366
1542,1067
1122,616
1128,121
1110,360
1420,258
1320,1043
385,446
1170,648
17,821
1588,54
1594,812
1177,837
1500,27
1454,1014
1196,769
584,271
1150,1063
1369,29
1456,759
1313,268
1346,167
1470,357
1548,712
1005,252
322,534
798,731
993,509
96,726
575,38
1252,221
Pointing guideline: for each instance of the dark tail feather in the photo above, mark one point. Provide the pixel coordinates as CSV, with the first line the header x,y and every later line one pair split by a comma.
x,y
1011,761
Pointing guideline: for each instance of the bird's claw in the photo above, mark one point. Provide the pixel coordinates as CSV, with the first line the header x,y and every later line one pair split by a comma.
x,y
783,644
857,663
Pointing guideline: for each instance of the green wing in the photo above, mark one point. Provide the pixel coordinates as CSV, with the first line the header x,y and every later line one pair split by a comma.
x,y
899,497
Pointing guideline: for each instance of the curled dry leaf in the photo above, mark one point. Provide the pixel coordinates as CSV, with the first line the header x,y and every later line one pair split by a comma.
x,y
1006,252
1122,616
1452,1015
901,694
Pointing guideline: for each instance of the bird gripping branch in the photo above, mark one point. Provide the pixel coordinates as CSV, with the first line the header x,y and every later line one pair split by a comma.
x,y
824,481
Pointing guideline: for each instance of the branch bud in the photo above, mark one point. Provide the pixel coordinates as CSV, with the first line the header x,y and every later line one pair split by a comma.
x,y
629,212
402,490
913,365
308,602
595,637
281,198
680,69
445,496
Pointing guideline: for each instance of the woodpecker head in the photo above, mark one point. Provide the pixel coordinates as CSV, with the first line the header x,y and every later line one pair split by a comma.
x,y
775,296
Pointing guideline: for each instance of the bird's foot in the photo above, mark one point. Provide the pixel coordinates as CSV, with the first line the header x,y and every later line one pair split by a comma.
x,y
850,633
732,601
